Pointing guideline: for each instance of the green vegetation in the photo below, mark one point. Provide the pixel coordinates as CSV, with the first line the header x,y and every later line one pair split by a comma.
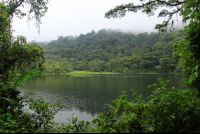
x,y
186,46
167,110
87,72
16,54
112,51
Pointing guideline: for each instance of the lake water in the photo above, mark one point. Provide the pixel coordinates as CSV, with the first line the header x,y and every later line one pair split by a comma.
x,y
86,95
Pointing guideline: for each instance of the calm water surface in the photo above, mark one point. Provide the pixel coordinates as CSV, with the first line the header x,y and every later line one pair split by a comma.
x,y
86,95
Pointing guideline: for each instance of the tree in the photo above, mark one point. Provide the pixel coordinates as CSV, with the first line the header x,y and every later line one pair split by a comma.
x,y
149,8
96,65
20,57
37,9
15,54
188,48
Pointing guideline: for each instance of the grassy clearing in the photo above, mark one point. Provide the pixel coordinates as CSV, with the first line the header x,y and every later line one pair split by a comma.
x,y
88,73
148,73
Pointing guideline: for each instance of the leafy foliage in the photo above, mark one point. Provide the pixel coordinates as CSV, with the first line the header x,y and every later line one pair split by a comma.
x,y
188,47
16,56
41,120
9,96
149,8
36,10
111,50
167,110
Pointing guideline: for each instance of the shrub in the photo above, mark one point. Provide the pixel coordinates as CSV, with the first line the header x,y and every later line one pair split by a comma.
x,y
167,110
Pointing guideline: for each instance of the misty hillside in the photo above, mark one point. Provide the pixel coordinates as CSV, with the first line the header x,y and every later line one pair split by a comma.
x,y
113,51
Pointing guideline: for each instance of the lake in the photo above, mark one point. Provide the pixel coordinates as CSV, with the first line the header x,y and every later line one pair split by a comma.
x,y
86,95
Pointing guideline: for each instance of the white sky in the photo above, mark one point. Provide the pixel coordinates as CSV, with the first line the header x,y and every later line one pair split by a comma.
x,y
75,17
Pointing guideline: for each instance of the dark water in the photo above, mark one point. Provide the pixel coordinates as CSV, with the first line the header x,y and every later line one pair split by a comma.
x,y
85,96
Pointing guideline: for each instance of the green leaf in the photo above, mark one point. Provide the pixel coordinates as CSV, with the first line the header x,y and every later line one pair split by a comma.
x,y
196,73
172,116
94,121
191,78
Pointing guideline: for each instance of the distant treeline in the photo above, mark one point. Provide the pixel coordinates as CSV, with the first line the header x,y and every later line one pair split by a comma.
x,y
112,51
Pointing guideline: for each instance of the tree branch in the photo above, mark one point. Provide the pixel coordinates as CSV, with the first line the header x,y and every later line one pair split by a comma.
x,y
148,8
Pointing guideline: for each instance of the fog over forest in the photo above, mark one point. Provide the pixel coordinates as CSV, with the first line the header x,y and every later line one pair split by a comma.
x,y
109,66
66,18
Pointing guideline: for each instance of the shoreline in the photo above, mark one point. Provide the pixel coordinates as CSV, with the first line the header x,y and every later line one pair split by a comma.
x,y
87,72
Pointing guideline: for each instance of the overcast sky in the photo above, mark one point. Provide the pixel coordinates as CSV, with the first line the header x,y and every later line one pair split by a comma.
x,y
75,17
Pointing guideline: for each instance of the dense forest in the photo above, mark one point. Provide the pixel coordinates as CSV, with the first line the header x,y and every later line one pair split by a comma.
x,y
112,51
167,110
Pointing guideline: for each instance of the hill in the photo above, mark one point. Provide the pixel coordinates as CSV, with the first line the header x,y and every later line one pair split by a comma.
x,y
112,51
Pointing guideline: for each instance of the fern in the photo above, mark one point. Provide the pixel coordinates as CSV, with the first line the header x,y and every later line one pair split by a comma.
x,y
16,81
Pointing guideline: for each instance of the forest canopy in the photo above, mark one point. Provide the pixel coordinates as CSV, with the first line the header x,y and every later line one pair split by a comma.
x,y
188,46
113,51
167,110
16,55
